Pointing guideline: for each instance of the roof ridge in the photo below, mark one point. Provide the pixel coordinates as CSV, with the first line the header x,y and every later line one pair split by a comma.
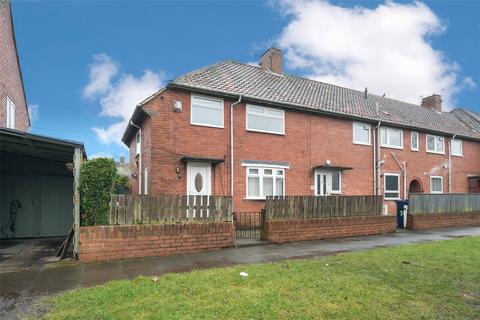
x,y
328,84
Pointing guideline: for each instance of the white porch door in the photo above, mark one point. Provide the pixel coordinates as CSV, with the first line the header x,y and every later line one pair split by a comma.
x,y
199,179
323,183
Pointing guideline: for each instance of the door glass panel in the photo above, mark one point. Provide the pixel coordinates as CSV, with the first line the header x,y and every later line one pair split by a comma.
x,y
324,184
198,182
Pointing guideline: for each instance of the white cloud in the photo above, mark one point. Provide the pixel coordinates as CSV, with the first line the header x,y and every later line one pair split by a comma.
x,y
118,95
386,48
33,112
102,69
101,155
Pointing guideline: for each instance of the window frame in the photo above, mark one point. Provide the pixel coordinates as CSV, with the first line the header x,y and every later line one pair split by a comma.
x,y
431,184
386,144
247,112
261,174
222,108
385,175
412,133
355,141
435,144
461,147
11,114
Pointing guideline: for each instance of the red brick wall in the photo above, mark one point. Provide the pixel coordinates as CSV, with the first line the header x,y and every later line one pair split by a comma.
x,y
281,231
100,243
10,77
309,140
438,221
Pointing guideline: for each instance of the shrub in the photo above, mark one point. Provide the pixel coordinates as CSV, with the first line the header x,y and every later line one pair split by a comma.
x,y
97,181
122,184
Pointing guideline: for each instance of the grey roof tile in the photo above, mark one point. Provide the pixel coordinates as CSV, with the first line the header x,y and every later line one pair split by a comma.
x,y
471,118
229,77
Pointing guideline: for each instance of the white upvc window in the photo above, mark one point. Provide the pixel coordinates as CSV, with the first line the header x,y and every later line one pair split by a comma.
x,y
456,147
414,141
11,109
361,133
138,145
391,186
145,182
206,111
436,184
435,144
263,119
265,181
391,138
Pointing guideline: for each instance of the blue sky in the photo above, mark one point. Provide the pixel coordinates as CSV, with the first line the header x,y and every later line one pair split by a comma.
x,y
116,48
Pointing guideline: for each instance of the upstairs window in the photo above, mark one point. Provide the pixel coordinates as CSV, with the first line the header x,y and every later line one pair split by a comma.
x,y
391,138
392,186
414,141
456,146
435,144
263,182
361,133
263,119
10,114
207,111
436,184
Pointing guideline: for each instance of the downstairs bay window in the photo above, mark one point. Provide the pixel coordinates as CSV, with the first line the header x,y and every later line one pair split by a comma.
x,y
264,181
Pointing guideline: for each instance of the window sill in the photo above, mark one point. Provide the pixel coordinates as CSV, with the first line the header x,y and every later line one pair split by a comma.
x,y
457,155
416,150
434,152
207,125
269,132
255,199
362,143
391,147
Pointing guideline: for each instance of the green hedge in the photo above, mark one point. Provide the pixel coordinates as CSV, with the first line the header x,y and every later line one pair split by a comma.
x,y
97,182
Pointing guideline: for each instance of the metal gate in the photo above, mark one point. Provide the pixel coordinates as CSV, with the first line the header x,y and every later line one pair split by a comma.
x,y
249,225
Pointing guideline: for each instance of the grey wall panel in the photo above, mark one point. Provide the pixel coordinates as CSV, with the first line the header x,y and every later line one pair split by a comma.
x,y
57,206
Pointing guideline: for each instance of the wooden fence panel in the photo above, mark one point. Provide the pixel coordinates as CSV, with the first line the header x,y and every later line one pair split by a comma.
x,y
128,209
305,207
443,203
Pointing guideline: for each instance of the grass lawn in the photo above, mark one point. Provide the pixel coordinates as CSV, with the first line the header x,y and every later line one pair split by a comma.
x,y
437,280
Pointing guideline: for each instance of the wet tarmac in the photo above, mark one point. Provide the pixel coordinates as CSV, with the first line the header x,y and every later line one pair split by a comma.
x,y
19,290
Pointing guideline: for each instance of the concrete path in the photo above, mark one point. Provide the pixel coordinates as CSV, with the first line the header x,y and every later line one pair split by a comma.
x,y
19,289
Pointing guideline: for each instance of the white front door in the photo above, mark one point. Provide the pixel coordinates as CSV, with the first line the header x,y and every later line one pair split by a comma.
x,y
327,182
322,183
199,178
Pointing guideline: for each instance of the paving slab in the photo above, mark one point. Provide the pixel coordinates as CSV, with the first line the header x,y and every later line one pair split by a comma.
x,y
20,289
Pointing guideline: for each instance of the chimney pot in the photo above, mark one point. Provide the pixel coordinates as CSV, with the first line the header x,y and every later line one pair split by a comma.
x,y
433,102
272,60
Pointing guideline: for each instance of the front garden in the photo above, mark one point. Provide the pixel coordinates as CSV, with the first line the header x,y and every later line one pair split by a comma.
x,y
437,280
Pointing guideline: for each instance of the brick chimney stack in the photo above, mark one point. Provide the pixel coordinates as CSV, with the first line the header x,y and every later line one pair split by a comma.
x,y
272,60
433,102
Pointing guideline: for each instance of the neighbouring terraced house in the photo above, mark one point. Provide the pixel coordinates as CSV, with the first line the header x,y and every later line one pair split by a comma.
x,y
253,131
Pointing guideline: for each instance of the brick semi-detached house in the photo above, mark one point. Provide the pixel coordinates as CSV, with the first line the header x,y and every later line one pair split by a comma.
x,y
13,104
294,136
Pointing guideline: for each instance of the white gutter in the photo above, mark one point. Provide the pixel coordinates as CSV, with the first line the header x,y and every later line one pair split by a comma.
x,y
376,164
139,158
231,146
450,164
404,171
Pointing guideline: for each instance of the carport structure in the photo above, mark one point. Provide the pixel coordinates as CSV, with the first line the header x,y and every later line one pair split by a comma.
x,y
39,186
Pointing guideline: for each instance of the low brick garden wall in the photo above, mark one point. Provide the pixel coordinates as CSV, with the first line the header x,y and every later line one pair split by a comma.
x,y
101,243
292,230
442,220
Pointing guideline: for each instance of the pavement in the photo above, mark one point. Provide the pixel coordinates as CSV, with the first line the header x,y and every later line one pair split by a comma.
x,y
19,290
